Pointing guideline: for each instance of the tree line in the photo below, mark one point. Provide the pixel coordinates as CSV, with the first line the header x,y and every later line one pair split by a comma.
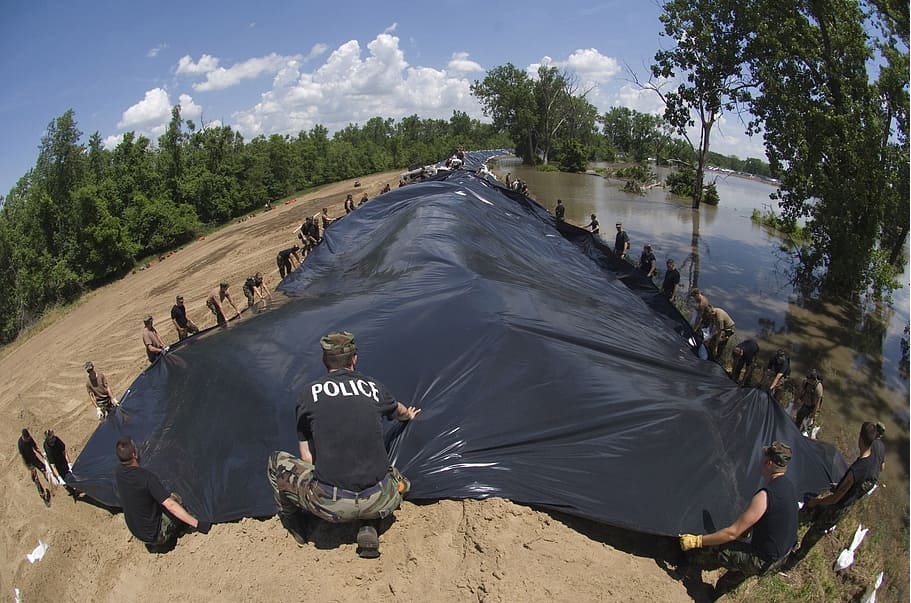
x,y
84,215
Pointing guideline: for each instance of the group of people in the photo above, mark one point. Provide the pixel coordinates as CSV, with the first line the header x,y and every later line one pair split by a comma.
x,y
772,517
53,465
340,472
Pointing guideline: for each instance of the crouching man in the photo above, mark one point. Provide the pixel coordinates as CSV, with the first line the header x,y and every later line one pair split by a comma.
x,y
153,515
772,516
343,473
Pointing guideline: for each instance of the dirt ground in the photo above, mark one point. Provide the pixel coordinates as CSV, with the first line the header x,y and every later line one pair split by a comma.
x,y
489,550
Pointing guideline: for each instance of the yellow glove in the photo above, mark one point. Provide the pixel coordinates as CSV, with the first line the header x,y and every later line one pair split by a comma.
x,y
690,541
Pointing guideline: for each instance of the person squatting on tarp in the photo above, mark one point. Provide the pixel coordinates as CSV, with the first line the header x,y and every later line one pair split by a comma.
x,y
822,513
96,385
343,473
31,456
152,514
182,324
772,516
214,303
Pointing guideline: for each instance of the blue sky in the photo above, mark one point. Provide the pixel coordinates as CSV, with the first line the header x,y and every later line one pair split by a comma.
x,y
282,66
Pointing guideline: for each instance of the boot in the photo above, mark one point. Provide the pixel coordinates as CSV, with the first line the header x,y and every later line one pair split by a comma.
x,y
368,542
296,527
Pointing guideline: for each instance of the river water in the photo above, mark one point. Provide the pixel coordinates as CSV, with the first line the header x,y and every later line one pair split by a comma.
x,y
743,268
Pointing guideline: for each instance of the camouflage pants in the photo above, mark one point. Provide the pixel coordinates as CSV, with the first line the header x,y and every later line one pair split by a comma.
x,y
737,556
295,488
106,406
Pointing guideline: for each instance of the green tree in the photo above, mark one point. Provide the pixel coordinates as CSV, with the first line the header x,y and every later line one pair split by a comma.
x,y
706,64
507,96
838,139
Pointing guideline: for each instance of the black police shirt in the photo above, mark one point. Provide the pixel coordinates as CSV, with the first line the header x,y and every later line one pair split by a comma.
x,y
339,415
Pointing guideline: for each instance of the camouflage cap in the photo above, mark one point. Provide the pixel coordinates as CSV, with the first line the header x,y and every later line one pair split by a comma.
x,y
338,342
779,453
223,284
88,365
147,318
180,298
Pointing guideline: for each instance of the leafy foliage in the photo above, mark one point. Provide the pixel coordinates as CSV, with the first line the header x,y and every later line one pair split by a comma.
x,y
85,214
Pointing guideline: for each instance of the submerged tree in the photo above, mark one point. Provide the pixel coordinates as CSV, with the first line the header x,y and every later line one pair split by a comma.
x,y
838,139
706,64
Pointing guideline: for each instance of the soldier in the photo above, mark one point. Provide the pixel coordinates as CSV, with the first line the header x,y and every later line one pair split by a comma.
x,y
152,342
772,517
810,399
253,286
103,400
343,473
722,330
621,242
214,303
31,456
286,259
152,514
58,459
744,354
182,324
560,210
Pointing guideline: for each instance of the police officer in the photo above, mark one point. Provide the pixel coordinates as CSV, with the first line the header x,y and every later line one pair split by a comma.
x,y
343,473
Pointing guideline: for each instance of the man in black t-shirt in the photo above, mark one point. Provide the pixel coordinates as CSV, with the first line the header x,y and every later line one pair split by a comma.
x,y
58,459
824,512
152,514
621,242
671,280
182,324
31,456
772,517
343,473
780,368
743,354
560,210
648,265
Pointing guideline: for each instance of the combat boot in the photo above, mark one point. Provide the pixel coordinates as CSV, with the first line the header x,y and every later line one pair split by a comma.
x,y
368,542
296,526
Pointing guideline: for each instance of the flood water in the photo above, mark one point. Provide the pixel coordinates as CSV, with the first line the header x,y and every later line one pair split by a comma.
x,y
742,268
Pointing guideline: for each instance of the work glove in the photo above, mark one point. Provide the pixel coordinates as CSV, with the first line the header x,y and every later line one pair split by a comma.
x,y
203,527
690,541
99,413
166,349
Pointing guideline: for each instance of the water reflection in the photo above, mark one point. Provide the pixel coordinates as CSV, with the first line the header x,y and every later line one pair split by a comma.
x,y
746,270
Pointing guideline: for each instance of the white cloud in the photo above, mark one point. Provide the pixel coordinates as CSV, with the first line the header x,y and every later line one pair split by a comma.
x,y
317,50
153,52
352,86
186,66
188,108
111,142
592,66
220,78
459,63
150,110
391,28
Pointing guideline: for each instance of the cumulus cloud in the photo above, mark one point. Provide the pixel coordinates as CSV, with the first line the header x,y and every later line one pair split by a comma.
x,y
188,108
186,66
317,50
460,63
152,109
220,78
354,84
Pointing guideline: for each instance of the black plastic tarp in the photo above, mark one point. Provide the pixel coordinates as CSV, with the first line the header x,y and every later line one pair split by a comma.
x,y
548,373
